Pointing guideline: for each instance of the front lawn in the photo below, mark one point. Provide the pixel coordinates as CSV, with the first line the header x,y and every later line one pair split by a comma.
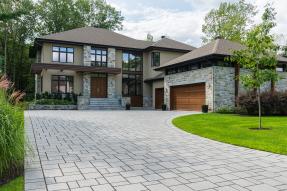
x,y
235,129
14,185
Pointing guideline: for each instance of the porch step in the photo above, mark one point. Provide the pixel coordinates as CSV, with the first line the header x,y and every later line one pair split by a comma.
x,y
105,104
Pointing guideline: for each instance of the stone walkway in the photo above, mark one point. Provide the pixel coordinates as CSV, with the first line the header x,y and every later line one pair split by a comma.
x,y
138,151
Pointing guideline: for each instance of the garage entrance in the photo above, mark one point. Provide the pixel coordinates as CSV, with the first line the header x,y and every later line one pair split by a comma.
x,y
187,97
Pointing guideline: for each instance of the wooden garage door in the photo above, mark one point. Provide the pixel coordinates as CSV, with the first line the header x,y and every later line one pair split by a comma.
x,y
187,97
158,98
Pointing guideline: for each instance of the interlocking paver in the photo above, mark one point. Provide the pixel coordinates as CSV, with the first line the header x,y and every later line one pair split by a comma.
x,y
138,150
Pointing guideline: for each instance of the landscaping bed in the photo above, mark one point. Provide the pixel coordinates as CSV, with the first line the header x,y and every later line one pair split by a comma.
x,y
238,130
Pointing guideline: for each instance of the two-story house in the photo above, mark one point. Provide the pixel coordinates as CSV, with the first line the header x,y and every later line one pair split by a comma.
x,y
105,68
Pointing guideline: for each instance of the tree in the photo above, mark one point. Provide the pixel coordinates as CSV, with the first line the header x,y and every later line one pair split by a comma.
x,y
57,16
260,56
229,21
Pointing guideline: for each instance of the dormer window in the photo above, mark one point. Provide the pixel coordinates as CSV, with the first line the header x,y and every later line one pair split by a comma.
x,y
99,57
63,54
155,59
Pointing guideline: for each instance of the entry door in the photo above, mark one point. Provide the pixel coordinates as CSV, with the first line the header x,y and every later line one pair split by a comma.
x,y
158,98
99,87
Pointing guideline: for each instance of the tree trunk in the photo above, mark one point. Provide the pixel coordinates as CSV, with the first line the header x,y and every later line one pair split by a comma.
x,y
259,108
272,87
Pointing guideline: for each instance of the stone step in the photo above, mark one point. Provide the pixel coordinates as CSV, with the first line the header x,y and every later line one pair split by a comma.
x,y
90,107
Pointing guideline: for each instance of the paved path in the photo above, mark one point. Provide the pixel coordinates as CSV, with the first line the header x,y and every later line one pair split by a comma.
x,y
138,151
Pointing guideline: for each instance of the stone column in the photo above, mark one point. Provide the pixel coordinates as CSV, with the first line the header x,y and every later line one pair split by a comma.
x,y
111,57
87,56
87,85
111,77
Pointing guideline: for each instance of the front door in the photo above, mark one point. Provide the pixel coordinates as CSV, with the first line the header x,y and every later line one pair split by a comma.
x,y
159,97
99,86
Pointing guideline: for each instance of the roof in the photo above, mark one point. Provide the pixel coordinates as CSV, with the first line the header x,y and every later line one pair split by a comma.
x,y
155,78
99,36
171,44
216,47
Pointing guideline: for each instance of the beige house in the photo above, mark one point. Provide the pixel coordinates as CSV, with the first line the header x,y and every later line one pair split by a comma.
x,y
105,68
108,70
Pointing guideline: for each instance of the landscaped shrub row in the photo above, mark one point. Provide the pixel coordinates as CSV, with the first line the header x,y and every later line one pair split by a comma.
x,y
56,99
272,103
11,132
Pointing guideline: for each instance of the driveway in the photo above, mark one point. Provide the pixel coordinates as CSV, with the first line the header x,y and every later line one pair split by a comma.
x,y
138,151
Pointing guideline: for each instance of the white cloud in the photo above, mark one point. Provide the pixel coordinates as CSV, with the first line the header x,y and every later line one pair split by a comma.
x,y
183,23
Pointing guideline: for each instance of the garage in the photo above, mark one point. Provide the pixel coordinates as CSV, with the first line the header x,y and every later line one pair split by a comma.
x,y
187,97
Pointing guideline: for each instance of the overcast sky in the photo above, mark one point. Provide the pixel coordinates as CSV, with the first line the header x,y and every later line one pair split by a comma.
x,y
182,19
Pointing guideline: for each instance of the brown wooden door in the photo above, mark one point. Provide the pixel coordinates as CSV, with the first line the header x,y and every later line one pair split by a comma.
x,y
99,87
159,98
188,97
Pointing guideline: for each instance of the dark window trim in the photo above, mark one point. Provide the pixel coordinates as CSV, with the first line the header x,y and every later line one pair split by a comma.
x,y
66,52
153,58
136,54
136,84
101,54
58,84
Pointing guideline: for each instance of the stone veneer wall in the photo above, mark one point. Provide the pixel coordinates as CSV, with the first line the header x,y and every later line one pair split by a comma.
x,y
281,85
224,87
111,77
190,77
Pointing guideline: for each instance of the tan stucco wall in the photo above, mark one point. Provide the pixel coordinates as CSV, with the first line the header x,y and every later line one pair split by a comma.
x,y
156,84
46,56
46,74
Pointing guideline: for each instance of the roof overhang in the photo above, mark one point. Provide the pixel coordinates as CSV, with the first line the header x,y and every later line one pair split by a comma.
x,y
152,48
38,67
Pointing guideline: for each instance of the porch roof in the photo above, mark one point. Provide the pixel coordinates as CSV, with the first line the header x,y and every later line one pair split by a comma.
x,y
38,67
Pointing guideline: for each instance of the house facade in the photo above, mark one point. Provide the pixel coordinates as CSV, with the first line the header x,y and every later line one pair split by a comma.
x,y
108,70
104,68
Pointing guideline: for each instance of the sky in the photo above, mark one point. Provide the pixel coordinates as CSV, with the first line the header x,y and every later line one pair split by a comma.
x,y
182,19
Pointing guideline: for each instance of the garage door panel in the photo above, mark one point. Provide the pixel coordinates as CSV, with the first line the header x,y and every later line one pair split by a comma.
x,y
188,97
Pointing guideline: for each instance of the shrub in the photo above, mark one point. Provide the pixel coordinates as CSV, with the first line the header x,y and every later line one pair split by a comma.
x,y
225,110
53,102
11,132
271,103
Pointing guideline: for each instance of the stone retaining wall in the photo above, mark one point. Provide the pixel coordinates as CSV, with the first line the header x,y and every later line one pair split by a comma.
x,y
52,107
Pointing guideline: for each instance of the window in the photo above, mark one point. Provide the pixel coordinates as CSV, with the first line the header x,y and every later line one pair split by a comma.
x,y
99,57
63,54
132,61
62,84
155,59
132,85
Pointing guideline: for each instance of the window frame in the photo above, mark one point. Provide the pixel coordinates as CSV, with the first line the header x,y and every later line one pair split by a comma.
x,y
139,63
68,78
137,78
153,59
94,63
59,54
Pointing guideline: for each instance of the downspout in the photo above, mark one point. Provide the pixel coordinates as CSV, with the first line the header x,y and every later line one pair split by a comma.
x,y
213,94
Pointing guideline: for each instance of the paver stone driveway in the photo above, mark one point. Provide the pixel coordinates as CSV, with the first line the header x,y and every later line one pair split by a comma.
x,y
138,151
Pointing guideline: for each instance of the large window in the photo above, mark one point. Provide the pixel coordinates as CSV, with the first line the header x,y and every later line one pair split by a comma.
x,y
132,85
99,57
132,61
63,54
62,84
155,59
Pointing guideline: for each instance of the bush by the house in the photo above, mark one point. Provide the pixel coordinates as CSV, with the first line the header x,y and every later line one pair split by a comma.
x,y
56,99
272,103
11,132
226,110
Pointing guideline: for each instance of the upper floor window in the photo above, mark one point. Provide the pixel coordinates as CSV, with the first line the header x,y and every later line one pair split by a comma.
x,y
62,84
99,57
63,54
155,59
132,61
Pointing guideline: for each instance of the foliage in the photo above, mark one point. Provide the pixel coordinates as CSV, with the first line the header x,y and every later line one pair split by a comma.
x,y
260,55
225,110
273,103
235,129
53,102
11,131
14,185
57,16
229,21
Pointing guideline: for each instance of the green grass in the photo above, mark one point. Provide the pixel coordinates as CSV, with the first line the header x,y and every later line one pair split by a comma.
x,y
15,185
235,129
